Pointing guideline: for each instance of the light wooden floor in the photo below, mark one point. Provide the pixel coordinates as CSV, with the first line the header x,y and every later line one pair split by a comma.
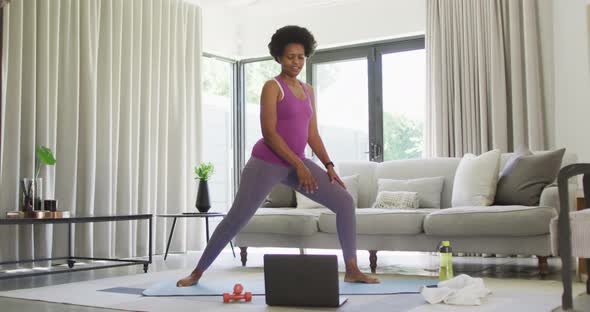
x,y
388,262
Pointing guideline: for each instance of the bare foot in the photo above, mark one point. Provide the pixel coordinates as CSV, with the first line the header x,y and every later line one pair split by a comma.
x,y
190,280
359,277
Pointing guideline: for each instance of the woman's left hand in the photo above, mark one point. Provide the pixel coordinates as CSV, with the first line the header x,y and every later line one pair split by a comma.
x,y
334,176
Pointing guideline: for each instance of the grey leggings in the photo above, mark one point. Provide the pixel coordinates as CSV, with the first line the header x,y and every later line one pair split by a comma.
x,y
257,180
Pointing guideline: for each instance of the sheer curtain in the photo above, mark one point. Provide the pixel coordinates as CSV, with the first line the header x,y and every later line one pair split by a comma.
x,y
485,84
113,88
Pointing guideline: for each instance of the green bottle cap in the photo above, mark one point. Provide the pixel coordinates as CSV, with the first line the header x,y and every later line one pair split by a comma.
x,y
446,243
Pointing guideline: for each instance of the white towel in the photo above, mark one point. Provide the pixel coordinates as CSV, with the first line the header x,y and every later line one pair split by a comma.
x,y
460,290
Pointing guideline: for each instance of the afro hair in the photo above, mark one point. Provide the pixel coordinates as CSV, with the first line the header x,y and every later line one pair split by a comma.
x,y
291,34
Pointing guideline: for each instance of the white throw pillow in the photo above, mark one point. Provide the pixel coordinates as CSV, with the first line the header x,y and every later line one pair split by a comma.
x,y
352,186
475,179
429,189
397,200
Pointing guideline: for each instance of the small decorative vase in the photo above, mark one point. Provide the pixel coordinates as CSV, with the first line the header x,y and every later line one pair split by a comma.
x,y
31,194
203,204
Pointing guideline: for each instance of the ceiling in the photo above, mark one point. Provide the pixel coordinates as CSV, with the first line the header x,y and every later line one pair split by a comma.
x,y
269,4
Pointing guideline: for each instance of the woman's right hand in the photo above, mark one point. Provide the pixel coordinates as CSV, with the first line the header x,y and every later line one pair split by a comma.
x,y
306,179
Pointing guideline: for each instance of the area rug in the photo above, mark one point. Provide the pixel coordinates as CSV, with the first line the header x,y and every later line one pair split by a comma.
x,y
124,293
216,287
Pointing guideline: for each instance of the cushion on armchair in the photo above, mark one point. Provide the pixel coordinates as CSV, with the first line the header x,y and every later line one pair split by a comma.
x,y
580,231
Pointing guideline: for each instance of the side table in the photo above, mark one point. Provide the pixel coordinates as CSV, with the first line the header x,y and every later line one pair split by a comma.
x,y
71,258
205,215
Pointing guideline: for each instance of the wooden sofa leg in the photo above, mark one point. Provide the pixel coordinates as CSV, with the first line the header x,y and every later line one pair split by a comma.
x,y
373,260
244,255
543,265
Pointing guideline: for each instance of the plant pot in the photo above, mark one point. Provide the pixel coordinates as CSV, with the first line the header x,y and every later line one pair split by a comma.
x,y
203,204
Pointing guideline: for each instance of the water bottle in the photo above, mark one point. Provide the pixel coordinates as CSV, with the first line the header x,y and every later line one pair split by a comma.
x,y
446,261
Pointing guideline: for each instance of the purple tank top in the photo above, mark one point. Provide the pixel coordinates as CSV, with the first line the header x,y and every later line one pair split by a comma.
x,y
293,116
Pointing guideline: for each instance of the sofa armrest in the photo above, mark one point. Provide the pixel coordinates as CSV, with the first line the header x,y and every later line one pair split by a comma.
x,y
550,196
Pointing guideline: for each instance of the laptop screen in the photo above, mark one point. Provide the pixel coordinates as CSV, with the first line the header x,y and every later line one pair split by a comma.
x,y
301,280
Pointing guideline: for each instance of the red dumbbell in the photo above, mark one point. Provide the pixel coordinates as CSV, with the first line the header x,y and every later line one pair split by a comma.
x,y
237,295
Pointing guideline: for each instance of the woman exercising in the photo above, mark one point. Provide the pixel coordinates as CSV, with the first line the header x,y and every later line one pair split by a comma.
x,y
288,120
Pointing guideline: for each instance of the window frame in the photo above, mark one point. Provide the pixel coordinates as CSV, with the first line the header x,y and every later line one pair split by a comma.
x,y
373,51
235,119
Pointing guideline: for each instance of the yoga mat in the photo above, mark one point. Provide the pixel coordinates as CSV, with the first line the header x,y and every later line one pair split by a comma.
x,y
209,287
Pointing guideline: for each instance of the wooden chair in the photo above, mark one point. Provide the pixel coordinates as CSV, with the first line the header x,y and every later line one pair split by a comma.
x,y
581,229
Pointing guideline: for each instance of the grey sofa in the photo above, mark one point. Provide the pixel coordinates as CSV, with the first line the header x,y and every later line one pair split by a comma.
x,y
510,230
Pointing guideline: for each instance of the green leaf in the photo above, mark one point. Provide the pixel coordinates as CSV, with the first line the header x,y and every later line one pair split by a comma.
x,y
204,171
45,155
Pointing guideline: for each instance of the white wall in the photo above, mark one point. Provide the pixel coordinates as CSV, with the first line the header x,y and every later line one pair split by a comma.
x,y
245,32
572,76
219,31
350,22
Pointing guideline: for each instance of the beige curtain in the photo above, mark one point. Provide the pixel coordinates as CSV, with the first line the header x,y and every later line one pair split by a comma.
x,y
485,84
112,87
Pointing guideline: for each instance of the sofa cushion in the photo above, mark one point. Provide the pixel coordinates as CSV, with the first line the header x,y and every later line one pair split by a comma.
x,y
520,151
397,200
429,189
489,220
476,179
523,182
377,221
367,182
407,169
281,195
352,186
284,221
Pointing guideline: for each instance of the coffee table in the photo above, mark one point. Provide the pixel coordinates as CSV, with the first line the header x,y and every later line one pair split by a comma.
x,y
71,258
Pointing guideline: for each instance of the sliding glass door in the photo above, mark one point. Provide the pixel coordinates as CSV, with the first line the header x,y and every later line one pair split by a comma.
x,y
404,101
341,89
370,100
218,99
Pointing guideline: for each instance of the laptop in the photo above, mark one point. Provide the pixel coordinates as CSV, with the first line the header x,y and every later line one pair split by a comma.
x,y
302,280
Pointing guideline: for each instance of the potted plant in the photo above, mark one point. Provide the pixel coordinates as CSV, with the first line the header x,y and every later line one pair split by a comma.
x,y
32,188
44,157
204,171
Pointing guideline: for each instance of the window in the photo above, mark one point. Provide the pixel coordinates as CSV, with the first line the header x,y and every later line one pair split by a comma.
x,y
343,107
404,100
218,108
371,100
